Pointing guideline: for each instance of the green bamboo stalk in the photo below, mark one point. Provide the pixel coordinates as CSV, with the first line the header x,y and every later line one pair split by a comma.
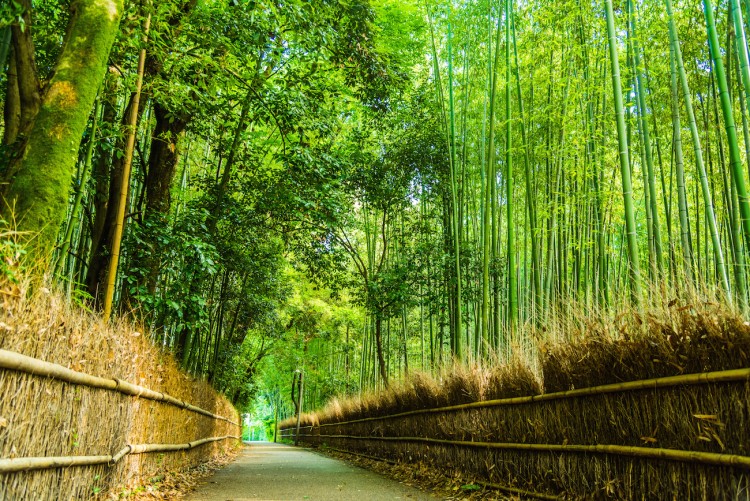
x,y
458,344
734,151
627,184
455,232
512,272
741,43
700,166
531,206
646,137
488,199
680,172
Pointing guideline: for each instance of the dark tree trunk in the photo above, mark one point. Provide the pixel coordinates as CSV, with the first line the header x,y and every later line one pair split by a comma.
x,y
379,346
12,109
162,165
23,92
162,161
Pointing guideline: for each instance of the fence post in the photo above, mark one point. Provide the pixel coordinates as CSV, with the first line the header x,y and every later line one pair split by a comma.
x,y
297,382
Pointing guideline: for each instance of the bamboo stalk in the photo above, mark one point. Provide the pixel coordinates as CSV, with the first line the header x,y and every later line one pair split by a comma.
x,y
711,458
43,463
122,453
728,376
147,448
138,391
359,454
10,360
26,464
109,291
21,363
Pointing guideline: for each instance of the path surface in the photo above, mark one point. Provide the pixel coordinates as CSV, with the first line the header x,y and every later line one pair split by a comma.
x,y
275,472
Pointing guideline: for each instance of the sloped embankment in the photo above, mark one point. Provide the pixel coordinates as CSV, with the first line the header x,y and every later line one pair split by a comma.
x,y
162,431
662,412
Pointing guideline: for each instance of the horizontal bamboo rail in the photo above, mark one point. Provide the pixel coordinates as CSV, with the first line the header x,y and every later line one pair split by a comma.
x,y
728,376
42,463
710,458
10,360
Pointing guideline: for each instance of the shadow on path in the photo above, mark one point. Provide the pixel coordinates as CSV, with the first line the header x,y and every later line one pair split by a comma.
x,y
275,472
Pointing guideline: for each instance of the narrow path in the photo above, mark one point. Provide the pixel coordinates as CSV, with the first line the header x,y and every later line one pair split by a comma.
x,y
280,472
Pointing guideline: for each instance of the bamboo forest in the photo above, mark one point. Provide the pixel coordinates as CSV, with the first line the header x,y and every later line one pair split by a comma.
x,y
334,210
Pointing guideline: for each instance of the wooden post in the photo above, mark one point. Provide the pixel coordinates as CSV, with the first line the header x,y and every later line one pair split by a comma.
x,y
297,382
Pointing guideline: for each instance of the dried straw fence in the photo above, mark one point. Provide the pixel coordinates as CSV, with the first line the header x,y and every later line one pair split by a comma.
x,y
90,410
679,437
21,363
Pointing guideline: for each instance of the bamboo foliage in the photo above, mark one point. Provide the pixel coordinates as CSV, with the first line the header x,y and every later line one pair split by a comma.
x,y
573,240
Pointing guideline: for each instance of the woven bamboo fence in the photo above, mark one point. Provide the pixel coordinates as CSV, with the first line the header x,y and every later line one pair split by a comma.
x,y
679,437
90,410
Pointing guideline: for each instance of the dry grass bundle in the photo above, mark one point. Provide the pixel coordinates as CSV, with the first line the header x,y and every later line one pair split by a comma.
x,y
462,385
514,379
425,391
679,340
44,417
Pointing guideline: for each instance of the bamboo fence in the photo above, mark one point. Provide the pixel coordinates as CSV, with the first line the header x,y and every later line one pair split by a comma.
x,y
728,376
598,441
21,363
12,362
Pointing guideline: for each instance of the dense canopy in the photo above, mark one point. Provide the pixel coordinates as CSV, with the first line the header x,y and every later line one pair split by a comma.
x,y
363,188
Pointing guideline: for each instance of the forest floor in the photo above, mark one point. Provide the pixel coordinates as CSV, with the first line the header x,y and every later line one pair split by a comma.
x,y
281,472
442,484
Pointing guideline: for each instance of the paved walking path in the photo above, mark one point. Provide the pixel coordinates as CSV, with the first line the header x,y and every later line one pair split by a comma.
x,y
274,472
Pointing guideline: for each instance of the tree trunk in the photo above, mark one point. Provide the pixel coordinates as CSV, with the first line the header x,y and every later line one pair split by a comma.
x,y
162,165
40,177
162,161
379,346
24,92
12,106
